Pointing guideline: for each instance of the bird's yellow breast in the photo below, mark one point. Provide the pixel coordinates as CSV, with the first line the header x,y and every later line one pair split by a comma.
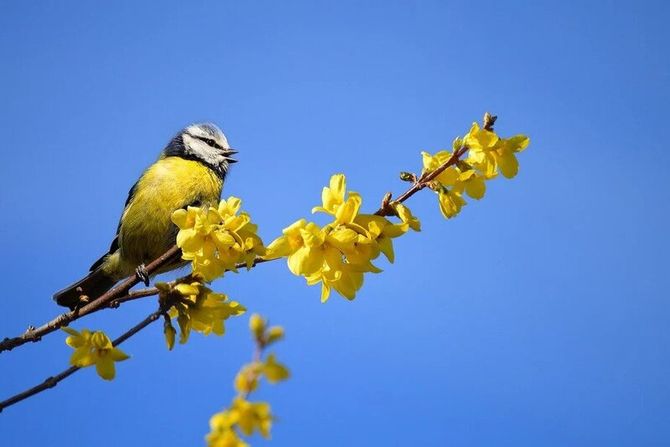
x,y
146,230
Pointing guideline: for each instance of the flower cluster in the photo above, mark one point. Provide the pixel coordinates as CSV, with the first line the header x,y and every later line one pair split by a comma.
x,y
245,417
195,307
94,348
339,253
216,239
488,154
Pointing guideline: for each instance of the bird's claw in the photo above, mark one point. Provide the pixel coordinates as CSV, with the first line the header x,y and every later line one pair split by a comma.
x,y
142,274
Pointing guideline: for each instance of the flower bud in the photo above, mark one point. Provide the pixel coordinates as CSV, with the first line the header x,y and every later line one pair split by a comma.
x,y
257,326
275,333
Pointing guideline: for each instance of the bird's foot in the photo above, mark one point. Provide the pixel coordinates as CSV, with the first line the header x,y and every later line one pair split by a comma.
x,y
142,274
83,300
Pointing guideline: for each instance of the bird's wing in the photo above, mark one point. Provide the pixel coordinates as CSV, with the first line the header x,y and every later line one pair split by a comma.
x,y
115,242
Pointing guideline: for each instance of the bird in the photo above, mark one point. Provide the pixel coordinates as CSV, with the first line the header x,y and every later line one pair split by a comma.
x,y
190,171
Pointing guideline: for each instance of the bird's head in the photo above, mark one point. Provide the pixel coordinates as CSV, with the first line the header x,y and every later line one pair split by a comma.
x,y
205,143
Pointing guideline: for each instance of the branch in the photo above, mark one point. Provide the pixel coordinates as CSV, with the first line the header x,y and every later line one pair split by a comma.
x,y
386,208
35,334
52,381
119,294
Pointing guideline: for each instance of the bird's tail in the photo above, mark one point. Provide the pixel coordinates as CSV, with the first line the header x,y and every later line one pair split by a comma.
x,y
93,285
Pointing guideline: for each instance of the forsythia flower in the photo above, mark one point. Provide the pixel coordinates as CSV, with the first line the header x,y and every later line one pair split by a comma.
x,y
251,416
248,416
273,370
243,415
222,433
246,380
262,334
198,308
338,254
215,239
451,203
94,348
406,216
488,154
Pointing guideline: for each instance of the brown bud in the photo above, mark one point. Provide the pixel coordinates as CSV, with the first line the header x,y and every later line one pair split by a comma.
x,y
489,121
407,177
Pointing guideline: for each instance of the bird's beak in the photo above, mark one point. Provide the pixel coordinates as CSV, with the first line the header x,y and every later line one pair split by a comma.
x,y
227,153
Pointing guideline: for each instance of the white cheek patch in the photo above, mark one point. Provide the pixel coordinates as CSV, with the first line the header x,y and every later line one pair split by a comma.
x,y
199,149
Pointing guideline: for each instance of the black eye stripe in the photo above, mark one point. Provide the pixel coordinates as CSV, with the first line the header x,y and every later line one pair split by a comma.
x,y
208,141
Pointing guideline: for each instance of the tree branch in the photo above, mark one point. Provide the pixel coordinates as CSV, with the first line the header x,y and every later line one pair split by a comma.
x,y
52,381
119,294
35,334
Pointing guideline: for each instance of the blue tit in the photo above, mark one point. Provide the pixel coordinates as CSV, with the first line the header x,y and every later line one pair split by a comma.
x,y
189,172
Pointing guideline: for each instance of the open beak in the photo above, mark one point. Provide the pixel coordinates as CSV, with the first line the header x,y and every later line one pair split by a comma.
x,y
228,153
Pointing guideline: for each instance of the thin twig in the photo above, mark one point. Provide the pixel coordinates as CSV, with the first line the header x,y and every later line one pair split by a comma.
x,y
134,295
35,334
387,205
52,381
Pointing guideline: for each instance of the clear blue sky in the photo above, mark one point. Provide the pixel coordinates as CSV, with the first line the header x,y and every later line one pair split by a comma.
x,y
538,317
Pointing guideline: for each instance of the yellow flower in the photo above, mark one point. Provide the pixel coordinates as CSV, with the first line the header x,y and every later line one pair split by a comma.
x,y
405,214
202,310
504,153
334,203
487,153
246,379
338,254
222,421
287,244
472,183
301,244
381,231
451,203
215,239
273,370
309,257
345,280
222,433
229,207
251,416
479,139
360,254
94,348
195,224
170,334
226,438
333,196
305,246
431,162
490,153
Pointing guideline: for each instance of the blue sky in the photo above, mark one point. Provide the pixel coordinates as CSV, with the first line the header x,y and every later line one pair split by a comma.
x,y
538,317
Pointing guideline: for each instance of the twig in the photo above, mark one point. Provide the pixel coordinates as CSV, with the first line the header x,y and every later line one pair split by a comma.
x,y
134,295
119,294
115,296
52,381
386,208
35,334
